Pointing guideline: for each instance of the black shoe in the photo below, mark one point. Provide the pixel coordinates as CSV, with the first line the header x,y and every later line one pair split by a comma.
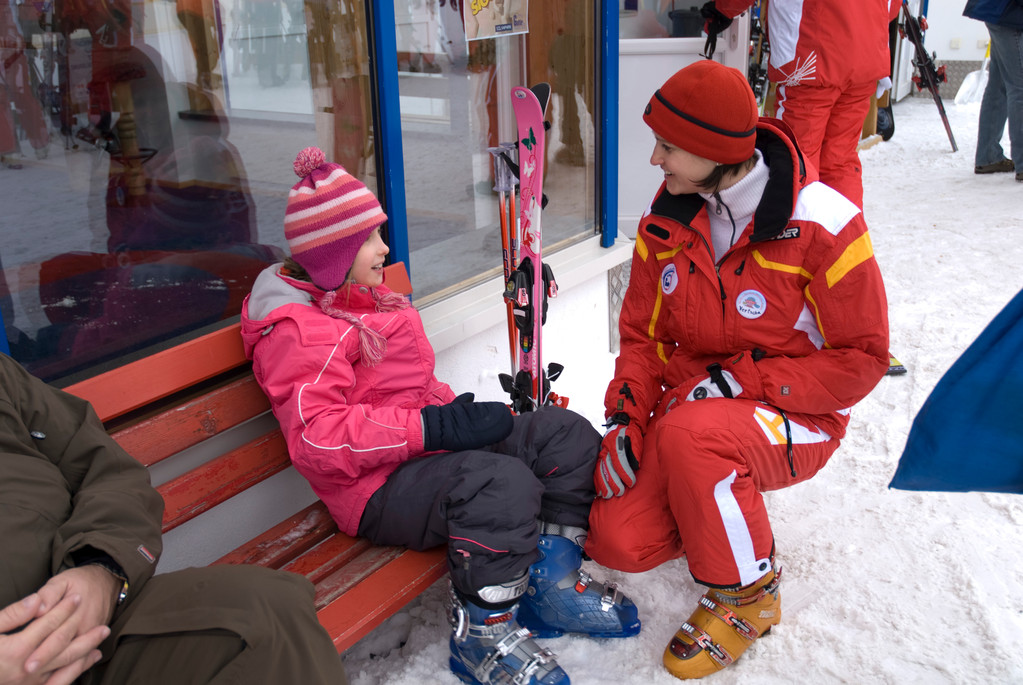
x,y
995,167
1019,176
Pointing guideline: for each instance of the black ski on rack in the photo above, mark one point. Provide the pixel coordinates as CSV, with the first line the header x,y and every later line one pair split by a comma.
x,y
760,52
928,76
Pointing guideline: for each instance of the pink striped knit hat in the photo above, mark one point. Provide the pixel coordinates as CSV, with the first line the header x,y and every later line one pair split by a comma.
x,y
329,215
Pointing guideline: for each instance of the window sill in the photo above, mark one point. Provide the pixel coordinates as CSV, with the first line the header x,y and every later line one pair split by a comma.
x,y
456,318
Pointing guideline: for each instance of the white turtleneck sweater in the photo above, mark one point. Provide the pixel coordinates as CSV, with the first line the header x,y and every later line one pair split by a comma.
x,y
731,209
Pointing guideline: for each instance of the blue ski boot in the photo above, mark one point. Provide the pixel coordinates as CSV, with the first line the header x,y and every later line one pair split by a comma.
x,y
489,646
561,598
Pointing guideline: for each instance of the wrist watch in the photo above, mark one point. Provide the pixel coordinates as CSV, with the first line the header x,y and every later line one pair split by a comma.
x,y
94,557
117,573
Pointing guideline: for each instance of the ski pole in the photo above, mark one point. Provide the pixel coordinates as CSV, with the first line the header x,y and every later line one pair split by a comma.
x,y
503,182
513,228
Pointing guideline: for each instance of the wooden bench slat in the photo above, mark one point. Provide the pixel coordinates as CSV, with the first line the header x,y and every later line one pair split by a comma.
x,y
354,572
142,382
328,556
220,479
285,541
154,439
365,605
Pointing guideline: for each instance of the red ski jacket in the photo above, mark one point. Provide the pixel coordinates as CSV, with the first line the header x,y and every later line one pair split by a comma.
x,y
795,309
823,42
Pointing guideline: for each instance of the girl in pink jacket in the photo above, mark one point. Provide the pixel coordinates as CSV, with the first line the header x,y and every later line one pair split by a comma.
x,y
399,459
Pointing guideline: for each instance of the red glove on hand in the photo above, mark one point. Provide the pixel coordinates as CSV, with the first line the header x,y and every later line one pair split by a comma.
x,y
618,461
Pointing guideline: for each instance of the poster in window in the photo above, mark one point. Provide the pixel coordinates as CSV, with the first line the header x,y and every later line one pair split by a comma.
x,y
489,18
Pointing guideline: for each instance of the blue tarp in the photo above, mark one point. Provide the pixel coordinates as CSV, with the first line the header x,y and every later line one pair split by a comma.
x,y
968,435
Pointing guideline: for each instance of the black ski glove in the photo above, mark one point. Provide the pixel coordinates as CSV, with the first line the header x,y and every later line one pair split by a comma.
x,y
713,23
465,425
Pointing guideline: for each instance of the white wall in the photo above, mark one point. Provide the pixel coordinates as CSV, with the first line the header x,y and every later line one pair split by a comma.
x,y
644,64
575,335
952,36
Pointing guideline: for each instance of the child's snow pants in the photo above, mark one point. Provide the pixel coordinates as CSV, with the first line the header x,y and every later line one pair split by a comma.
x,y
485,505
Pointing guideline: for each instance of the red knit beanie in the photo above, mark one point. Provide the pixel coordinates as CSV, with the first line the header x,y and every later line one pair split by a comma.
x,y
329,215
707,109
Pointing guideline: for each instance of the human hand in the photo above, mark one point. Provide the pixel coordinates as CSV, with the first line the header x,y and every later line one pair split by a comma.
x,y
618,461
47,651
465,425
97,588
883,85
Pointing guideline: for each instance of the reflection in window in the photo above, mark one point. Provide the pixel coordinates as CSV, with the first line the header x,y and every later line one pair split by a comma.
x,y
147,149
659,18
456,102
148,159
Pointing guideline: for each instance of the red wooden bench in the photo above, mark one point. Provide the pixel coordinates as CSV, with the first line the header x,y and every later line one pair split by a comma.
x,y
178,398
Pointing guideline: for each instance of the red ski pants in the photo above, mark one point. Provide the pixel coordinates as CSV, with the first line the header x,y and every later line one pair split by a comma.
x,y
16,88
698,490
828,124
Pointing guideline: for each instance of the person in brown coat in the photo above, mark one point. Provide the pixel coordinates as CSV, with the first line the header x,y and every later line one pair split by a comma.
x,y
80,529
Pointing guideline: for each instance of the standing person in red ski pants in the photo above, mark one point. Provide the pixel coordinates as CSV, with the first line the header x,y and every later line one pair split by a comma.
x,y
16,89
826,58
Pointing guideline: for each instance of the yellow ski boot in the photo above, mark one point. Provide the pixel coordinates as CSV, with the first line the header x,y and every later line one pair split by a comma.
x,y
724,624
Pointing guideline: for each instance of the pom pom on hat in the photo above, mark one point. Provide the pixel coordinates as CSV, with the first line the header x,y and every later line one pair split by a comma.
x,y
329,215
707,109
308,160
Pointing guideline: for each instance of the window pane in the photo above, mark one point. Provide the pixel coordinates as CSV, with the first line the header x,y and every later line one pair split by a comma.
x,y
456,103
659,19
155,142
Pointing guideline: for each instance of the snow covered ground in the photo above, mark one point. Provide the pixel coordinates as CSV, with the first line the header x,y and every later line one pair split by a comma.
x,y
881,586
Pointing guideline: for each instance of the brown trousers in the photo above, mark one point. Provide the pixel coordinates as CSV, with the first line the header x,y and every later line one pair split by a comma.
x,y
220,624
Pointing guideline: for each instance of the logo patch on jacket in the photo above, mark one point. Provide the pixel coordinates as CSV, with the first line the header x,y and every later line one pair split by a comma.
x,y
751,304
669,279
790,232
146,554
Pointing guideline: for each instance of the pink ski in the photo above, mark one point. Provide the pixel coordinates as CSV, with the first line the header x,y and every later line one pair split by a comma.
x,y
532,281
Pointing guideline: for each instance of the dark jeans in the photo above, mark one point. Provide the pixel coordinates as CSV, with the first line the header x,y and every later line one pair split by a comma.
x,y
1003,99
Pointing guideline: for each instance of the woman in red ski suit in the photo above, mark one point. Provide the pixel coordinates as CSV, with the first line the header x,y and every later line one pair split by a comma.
x,y
755,317
826,58
400,460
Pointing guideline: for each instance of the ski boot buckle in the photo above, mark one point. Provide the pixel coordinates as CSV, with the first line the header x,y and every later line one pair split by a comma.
x,y
506,646
742,627
611,597
705,642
